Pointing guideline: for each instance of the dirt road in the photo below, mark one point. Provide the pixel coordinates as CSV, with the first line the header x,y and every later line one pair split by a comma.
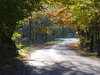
x,y
58,59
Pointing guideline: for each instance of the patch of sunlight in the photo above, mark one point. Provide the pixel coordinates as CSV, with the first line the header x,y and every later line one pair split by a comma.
x,y
23,51
54,42
44,57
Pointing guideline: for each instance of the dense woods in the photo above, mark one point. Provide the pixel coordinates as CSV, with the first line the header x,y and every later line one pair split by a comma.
x,y
35,21
41,25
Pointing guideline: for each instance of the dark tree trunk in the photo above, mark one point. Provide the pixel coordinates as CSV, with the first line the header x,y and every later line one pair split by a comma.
x,y
92,44
30,34
98,46
98,34
45,35
7,47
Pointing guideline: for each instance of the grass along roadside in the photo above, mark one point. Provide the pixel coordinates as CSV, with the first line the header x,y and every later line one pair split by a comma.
x,y
85,53
53,42
24,49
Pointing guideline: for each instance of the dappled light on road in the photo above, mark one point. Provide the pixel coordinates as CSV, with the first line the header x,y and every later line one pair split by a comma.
x,y
59,56
58,59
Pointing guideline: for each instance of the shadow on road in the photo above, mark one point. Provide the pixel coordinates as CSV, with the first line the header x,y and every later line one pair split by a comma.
x,y
21,68
72,66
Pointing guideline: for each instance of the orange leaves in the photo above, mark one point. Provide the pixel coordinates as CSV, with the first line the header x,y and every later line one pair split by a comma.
x,y
61,16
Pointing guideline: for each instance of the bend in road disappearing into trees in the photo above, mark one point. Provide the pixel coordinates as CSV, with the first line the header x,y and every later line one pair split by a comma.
x,y
58,59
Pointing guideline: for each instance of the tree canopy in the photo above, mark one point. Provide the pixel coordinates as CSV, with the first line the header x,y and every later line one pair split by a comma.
x,y
11,12
81,15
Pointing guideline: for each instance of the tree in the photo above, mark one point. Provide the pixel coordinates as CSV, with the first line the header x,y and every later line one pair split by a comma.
x,y
11,12
85,17
86,14
40,28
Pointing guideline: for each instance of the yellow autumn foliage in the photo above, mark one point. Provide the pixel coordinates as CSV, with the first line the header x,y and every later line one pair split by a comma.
x,y
17,35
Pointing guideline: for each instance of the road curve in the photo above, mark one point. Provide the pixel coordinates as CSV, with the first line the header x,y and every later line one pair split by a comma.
x,y
58,59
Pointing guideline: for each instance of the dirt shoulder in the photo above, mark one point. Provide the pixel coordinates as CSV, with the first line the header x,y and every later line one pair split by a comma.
x,y
76,48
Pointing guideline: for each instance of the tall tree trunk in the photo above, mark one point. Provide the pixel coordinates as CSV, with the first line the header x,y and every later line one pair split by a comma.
x,y
98,34
45,40
7,47
92,44
30,34
98,45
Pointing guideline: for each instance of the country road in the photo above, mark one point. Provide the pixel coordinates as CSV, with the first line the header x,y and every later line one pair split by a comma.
x,y
58,59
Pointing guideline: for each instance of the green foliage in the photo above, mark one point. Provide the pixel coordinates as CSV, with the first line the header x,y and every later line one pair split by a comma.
x,y
86,15
54,42
86,53
41,28
11,12
16,35
23,51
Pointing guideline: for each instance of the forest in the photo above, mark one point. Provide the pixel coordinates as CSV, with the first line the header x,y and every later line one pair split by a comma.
x,y
45,30
27,22
31,19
